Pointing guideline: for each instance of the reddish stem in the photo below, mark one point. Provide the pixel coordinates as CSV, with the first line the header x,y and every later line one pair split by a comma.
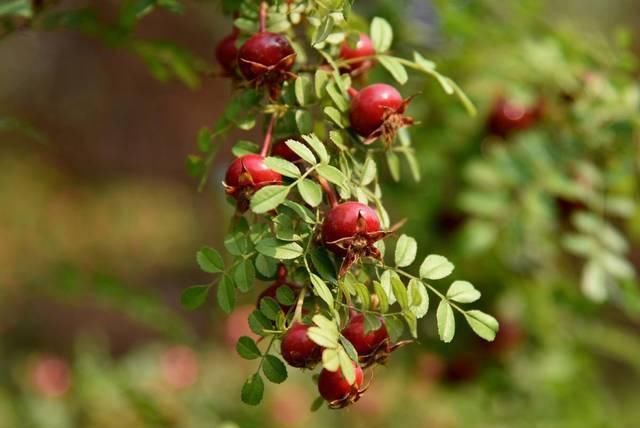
x,y
333,200
352,92
263,16
266,145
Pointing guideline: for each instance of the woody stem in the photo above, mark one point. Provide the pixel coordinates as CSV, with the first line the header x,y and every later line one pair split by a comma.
x,y
266,145
352,92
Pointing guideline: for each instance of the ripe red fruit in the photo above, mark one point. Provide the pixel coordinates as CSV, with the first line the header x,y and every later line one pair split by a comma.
x,y
507,117
281,149
266,58
350,230
247,174
377,111
364,48
334,388
373,346
227,53
298,349
347,221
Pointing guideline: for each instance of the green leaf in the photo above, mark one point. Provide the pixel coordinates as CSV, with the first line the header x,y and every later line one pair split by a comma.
x,y
332,174
268,198
346,366
423,63
274,369
335,115
363,294
349,348
321,289
338,139
483,325
418,298
285,295
321,79
304,121
244,275
369,171
195,296
243,147
331,359
399,291
381,34
385,282
269,308
247,348
226,294
253,390
393,162
266,266
446,321
237,243
594,281
278,249
336,96
195,166
310,191
406,249
302,151
318,146
210,260
395,68
371,323
412,322
323,264
463,292
616,266
325,332
323,31
435,267
303,90
382,296
282,166
317,403
303,212
395,327
205,140
258,323
414,166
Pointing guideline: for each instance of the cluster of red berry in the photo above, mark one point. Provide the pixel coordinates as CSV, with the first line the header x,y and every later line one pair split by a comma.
x,y
326,246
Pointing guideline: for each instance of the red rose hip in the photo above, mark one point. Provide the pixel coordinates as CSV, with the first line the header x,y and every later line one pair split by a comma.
x,y
298,349
266,58
367,345
247,174
363,49
378,111
227,53
280,149
347,221
334,388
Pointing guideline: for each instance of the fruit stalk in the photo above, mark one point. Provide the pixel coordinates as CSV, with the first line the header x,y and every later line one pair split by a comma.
x,y
263,16
331,194
266,144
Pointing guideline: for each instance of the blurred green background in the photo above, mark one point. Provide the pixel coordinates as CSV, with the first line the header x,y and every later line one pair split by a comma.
x,y
99,224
